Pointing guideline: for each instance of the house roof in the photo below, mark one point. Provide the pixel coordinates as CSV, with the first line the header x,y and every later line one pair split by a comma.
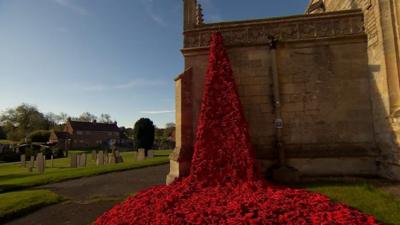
x,y
93,126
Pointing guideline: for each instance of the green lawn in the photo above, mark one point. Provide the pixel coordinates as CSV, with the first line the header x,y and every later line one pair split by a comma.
x,y
14,204
362,196
15,177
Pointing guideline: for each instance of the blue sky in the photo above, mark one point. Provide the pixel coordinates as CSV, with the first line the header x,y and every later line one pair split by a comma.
x,y
105,56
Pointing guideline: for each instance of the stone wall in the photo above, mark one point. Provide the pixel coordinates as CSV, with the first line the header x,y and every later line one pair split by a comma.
x,y
382,27
339,81
326,103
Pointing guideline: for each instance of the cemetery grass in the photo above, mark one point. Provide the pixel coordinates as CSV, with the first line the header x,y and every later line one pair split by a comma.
x,y
362,196
15,177
14,204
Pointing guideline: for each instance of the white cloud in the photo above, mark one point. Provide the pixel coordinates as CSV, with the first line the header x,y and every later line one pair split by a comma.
x,y
71,5
158,112
140,83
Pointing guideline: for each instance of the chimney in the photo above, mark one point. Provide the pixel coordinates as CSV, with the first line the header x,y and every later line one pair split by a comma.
x,y
69,119
94,121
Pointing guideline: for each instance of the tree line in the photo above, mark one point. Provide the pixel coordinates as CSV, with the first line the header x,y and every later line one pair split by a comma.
x,y
17,123
27,122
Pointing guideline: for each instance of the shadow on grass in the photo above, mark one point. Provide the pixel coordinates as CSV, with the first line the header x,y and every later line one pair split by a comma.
x,y
24,212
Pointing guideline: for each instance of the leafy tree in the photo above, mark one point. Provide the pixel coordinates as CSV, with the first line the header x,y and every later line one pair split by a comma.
x,y
3,134
144,134
22,120
56,121
105,118
163,137
87,117
39,136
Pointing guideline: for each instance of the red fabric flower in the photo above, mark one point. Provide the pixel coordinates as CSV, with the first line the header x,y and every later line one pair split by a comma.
x,y
224,186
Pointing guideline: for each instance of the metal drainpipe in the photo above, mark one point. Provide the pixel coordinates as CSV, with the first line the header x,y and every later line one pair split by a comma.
x,y
277,103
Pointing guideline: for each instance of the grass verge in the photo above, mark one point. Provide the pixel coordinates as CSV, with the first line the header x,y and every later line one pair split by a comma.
x,y
362,196
15,177
18,203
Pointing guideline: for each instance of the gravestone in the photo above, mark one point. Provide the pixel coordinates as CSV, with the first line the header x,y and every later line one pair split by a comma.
x,y
94,155
100,159
141,154
23,160
150,154
31,163
74,160
38,156
106,158
82,160
52,161
41,162
135,154
111,159
78,159
118,156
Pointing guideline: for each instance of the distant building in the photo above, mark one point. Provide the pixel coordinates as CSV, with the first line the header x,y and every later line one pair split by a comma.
x,y
79,134
59,138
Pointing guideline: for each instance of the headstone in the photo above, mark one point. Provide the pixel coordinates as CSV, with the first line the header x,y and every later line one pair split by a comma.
x,y
23,160
106,158
150,154
52,161
100,159
141,154
135,154
78,159
94,155
39,156
74,160
112,159
31,163
41,162
82,160
118,157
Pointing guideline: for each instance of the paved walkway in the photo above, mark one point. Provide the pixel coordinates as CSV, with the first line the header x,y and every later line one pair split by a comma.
x,y
90,197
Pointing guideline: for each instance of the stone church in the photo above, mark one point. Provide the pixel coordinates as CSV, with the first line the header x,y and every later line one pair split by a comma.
x,y
320,91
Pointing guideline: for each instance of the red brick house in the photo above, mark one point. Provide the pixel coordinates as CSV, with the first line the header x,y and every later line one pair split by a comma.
x,y
59,138
86,134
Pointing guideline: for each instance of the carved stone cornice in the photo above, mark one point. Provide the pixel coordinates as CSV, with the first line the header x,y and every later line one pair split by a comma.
x,y
295,28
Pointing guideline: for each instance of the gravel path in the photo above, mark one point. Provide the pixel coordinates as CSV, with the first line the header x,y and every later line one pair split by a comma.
x,y
90,197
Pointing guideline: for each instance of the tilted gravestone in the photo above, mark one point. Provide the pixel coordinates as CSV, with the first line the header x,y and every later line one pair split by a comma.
x,y
82,160
74,160
150,154
40,162
100,159
23,160
94,155
141,154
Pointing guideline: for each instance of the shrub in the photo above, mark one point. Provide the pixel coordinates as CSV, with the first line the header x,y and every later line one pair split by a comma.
x,y
57,152
39,136
9,156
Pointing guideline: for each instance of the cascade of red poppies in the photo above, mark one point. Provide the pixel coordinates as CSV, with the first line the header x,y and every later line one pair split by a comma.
x,y
224,186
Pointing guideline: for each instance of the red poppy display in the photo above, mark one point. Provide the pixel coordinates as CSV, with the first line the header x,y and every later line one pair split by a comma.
x,y
224,185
